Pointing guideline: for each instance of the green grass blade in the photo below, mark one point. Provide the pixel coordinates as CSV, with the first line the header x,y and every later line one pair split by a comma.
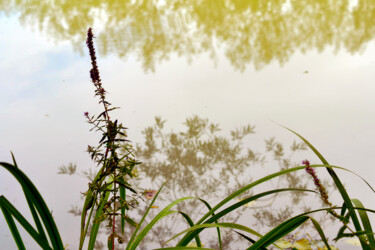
x,y
14,159
191,223
98,218
223,225
122,200
31,206
365,222
10,209
12,227
88,204
251,240
279,231
33,194
166,211
321,232
217,229
143,218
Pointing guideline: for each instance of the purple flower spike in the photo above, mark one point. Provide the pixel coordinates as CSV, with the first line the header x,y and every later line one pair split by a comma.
x,y
319,186
306,162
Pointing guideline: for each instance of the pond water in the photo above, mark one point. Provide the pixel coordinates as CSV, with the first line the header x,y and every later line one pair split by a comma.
x,y
307,65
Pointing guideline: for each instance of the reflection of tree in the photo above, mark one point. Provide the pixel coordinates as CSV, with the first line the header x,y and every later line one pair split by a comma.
x,y
257,31
201,161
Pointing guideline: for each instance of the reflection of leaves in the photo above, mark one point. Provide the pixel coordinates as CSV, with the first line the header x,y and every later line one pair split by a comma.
x,y
257,31
298,146
76,211
89,174
188,159
70,169
200,162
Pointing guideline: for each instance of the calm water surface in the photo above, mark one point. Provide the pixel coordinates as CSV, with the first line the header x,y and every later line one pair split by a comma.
x,y
308,65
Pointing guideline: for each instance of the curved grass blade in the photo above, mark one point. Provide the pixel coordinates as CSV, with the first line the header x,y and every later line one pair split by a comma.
x,y
36,199
321,232
12,227
222,224
122,200
217,229
365,222
191,223
279,231
251,240
11,210
143,218
88,204
99,217
166,211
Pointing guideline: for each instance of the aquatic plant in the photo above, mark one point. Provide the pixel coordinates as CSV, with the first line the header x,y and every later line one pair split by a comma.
x,y
106,198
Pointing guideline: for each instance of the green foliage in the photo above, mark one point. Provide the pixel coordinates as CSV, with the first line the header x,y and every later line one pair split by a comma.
x,y
39,210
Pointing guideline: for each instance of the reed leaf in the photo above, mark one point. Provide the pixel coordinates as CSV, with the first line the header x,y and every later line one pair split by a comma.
x,y
35,201
365,222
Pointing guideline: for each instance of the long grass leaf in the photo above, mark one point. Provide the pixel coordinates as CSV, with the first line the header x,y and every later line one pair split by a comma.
x,y
365,222
13,228
191,223
88,204
222,224
9,208
278,232
217,229
35,197
98,218
166,211
251,240
122,200
321,232
144,217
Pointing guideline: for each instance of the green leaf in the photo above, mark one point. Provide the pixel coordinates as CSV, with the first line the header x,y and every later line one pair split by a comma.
x,y
35,202
365,222
12,226
321,233
279,231
122,200
98,219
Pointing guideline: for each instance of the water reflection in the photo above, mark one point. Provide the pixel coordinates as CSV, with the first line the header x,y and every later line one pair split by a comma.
x,y
256,31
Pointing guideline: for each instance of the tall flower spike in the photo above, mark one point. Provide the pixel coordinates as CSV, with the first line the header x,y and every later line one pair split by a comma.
x,y
94,72
319,186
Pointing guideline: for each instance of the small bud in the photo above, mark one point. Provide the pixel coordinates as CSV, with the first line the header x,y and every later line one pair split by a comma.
x,y
149,194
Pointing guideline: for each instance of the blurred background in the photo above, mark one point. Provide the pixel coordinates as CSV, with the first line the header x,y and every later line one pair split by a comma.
x,y
242,66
